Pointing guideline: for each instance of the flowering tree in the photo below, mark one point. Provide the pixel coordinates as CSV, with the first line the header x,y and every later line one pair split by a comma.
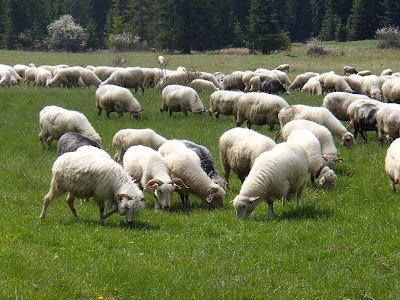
x,y
65,34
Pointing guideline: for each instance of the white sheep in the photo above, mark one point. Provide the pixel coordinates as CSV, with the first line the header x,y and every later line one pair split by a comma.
x,y
277,173
238,149
176,78
392,163
313,86
283,78
126,138
324,176
88,77
5,77
246,79
84,175
185,164
119,99
103,72
202,84
259,109
354,81
133,78
234,81
42,77
349,70
224,103
300,80
372,87
364,73
333,82
320,115
30,75
328,149
177,98
20,69
388,121
391,90
283,67
209,77
161,60
387,72
14,77
68,77
149,169
55,121
338,102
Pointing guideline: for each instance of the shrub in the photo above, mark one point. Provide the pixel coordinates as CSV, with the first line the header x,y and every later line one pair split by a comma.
x,y
65,34
316,49
388,37
126,41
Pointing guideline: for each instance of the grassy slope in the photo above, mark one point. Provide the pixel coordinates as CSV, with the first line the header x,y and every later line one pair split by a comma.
x,y
342,243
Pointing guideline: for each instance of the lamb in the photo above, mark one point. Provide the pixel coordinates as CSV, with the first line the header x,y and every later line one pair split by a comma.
x,y
313,86
275,174
185,164
149,169
319,115
363,119
388,121
338,102
5,77
68,77
126,138
391,90
300,80
333,82
202,84
283,67
84,176
349,70
234,81
259,109
42,77
55,121
206,161
271,85
392,163
372,87
119,99
71,141
325,176
224,103
132,78
177,98
238,149
328,148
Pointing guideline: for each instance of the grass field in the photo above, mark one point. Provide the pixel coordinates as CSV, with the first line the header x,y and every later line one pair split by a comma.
x,y
341,244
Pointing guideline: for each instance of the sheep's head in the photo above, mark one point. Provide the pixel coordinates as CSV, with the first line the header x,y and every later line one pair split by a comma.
x,y
348,139
327,178
244,205
130,207
215,196
137,114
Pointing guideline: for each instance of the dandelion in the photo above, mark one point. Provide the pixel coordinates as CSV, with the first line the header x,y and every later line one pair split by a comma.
x,y
141,253
131,243
55,256
101,297
96,230
177,235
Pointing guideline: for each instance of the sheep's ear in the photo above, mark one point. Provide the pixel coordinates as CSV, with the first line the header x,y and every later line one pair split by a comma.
x,y
397,180
322,180
325,157
253,198
209,198
340,159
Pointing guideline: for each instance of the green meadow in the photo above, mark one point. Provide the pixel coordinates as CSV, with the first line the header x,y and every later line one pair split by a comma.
x,y
340,244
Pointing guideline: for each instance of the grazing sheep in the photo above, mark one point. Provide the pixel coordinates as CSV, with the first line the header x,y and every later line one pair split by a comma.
x,y
30,75
328,148
88,77
247,76
300,80
177,78
126,138
354,81
234,81
103,72
93,150
14,77
349,70
338,102
119,99
177,98
283,78
149,169
132,78
20,69
161,60
206,161
372,87
5,77
149,78
392,163
238,149
313,86
309,142
224,103
259,109
55,121
209,77
185,164
320,115
391,90
219,77
71,141
363,118
354,104
388,121
84,176
202,84
42,77
68,77
333,82
271,85
280,172
364,73
387,72
283,67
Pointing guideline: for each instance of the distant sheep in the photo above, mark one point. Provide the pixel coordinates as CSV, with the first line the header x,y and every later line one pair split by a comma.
x,y
234,81
349,70
55,121
88,77
20,69
5,77
71,141
338,102
14,77
388,121
84,175
313,86
271,85
277,173
392,163
224,103
119,99
283,67
132,78
202,84
238,149
259,109
68,77
354,81
300,80
126,138
387,72
176,98
333,82
363,119
103,72
283,78
30,75
364,73
42,77
372,87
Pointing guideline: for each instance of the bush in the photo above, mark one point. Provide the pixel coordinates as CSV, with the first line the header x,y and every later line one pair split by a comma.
x,y
65,34
388,37
316,49
126,41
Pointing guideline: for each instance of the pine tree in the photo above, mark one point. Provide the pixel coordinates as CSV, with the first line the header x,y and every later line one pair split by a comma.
x,y
264,33
362,21
92,40
327,32
8,37
390,14
340,32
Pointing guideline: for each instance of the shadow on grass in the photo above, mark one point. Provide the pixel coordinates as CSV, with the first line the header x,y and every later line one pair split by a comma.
x,y
122,224
305,212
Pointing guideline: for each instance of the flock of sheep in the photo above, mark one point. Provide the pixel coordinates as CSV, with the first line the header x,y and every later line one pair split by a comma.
x,y
146,161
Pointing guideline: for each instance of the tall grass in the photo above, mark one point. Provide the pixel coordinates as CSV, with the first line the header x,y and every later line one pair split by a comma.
x,y
340,244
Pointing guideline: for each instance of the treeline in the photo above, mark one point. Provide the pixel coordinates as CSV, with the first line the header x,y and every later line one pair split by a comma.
x,y
186,25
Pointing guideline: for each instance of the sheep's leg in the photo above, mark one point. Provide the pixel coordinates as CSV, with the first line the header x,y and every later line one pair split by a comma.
x,y
217,115
156,204
99,111
108,114
70,202
226,171
170,113
104,216
364,135
393,184
51,195
270,209
48,141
